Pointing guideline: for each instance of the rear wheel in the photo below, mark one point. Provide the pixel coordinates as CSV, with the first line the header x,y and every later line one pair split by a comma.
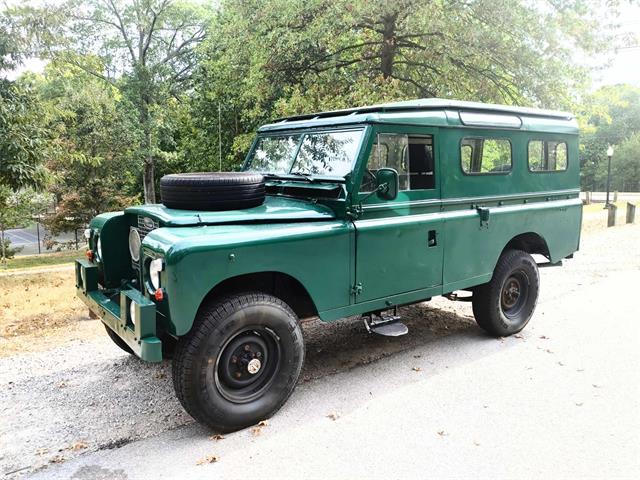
x,y
505,305
240,361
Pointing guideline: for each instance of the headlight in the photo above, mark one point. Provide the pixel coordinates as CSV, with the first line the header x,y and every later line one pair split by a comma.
x,y
132,312
134,244
99,247
155,267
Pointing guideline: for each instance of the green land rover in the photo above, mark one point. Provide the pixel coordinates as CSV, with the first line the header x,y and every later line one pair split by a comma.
x,y
335,214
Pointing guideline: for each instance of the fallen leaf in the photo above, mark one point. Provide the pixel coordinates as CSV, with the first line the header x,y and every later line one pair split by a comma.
x,y
548,351
256,431
561,364
208,459
333,416
417,356
596,386
160,375
579,404
442,433
476,443
77,446
416,369
56,459
62,385
216,437
543,337
263,423
42,451
518,336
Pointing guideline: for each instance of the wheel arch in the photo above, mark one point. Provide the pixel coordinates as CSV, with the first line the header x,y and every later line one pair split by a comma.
x,y
530,242
281,285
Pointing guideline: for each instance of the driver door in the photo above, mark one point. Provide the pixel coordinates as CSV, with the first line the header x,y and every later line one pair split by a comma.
x,y
399,247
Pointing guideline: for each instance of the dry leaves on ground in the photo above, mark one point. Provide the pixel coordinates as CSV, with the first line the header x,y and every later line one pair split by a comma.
x,y
208,459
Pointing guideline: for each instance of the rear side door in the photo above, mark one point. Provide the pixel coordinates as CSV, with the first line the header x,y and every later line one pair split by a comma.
x,y
399,246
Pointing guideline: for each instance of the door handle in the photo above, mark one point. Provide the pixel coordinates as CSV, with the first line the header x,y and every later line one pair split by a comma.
x,y
432,238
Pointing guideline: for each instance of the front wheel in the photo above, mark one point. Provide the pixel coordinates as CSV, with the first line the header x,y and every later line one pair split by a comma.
x,y
240,361
505,305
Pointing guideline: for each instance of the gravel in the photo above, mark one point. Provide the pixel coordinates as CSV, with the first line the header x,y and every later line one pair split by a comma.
x,y
90,396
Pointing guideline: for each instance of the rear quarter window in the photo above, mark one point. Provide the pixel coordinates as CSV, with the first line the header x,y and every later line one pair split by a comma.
x,y
547,156
484,156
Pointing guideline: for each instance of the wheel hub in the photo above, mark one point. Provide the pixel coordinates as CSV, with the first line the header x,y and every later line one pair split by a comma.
x,y
510,293
247,363
254,366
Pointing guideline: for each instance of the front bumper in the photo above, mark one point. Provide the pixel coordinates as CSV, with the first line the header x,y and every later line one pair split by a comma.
x,y
141,337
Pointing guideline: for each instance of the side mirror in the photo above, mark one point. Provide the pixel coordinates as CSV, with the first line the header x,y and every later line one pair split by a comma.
x,y
388,183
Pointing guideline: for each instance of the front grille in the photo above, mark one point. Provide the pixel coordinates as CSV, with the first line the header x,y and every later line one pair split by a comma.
x,y
145,225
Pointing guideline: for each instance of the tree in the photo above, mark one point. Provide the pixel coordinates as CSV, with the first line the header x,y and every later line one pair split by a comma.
x,y
21,133
270,58
146,48
93,149
610,116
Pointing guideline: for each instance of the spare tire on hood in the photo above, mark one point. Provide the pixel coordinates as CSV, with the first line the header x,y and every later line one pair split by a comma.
x,y
212,191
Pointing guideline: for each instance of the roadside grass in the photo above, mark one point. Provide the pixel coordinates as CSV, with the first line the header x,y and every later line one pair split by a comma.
x,y
43,260
39,306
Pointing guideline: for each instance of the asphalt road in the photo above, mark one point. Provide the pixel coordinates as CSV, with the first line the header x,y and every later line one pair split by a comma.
x,y
560,400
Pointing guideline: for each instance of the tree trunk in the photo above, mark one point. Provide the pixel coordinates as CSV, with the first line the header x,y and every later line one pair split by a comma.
x,y
389,45
149,175
149,180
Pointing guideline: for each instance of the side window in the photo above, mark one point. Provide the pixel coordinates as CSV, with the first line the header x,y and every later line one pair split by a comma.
x,y
485,155
411,156
547,156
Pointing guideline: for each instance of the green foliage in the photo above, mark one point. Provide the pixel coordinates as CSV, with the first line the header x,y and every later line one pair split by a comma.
x,y
21,132
146,48
270,58
93,150
611,116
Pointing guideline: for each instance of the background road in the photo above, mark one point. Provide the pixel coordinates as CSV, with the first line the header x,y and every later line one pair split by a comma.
x,y
560,400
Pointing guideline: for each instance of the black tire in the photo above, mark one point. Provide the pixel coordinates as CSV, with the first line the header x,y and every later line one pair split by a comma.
x,y
118,341
212,191
505,305
211,366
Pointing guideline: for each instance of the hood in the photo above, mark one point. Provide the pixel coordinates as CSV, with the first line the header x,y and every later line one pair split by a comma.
x,y
273,209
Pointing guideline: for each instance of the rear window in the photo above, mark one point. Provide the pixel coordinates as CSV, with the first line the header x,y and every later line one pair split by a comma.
x,y
547,156
485,155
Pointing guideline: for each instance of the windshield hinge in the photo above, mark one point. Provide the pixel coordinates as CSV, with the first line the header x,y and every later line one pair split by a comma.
x,y
356,289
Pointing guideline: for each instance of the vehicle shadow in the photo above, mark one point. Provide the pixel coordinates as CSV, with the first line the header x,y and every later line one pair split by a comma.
x,y
338,346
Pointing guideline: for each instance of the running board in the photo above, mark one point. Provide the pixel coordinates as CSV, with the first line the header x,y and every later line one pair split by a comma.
x,y
386,325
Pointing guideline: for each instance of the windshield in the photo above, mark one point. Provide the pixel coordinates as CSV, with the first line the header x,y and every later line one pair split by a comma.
x,y
324,153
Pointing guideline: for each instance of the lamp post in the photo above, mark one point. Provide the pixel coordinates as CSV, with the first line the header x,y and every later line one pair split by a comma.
x,y
609,155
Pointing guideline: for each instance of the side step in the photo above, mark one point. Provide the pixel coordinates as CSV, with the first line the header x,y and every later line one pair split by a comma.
x,y
387,325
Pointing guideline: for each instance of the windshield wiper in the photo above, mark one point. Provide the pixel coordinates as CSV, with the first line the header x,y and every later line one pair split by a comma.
x,y
301,176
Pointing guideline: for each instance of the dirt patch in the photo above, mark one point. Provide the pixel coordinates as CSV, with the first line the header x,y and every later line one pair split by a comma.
x,y
35,307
